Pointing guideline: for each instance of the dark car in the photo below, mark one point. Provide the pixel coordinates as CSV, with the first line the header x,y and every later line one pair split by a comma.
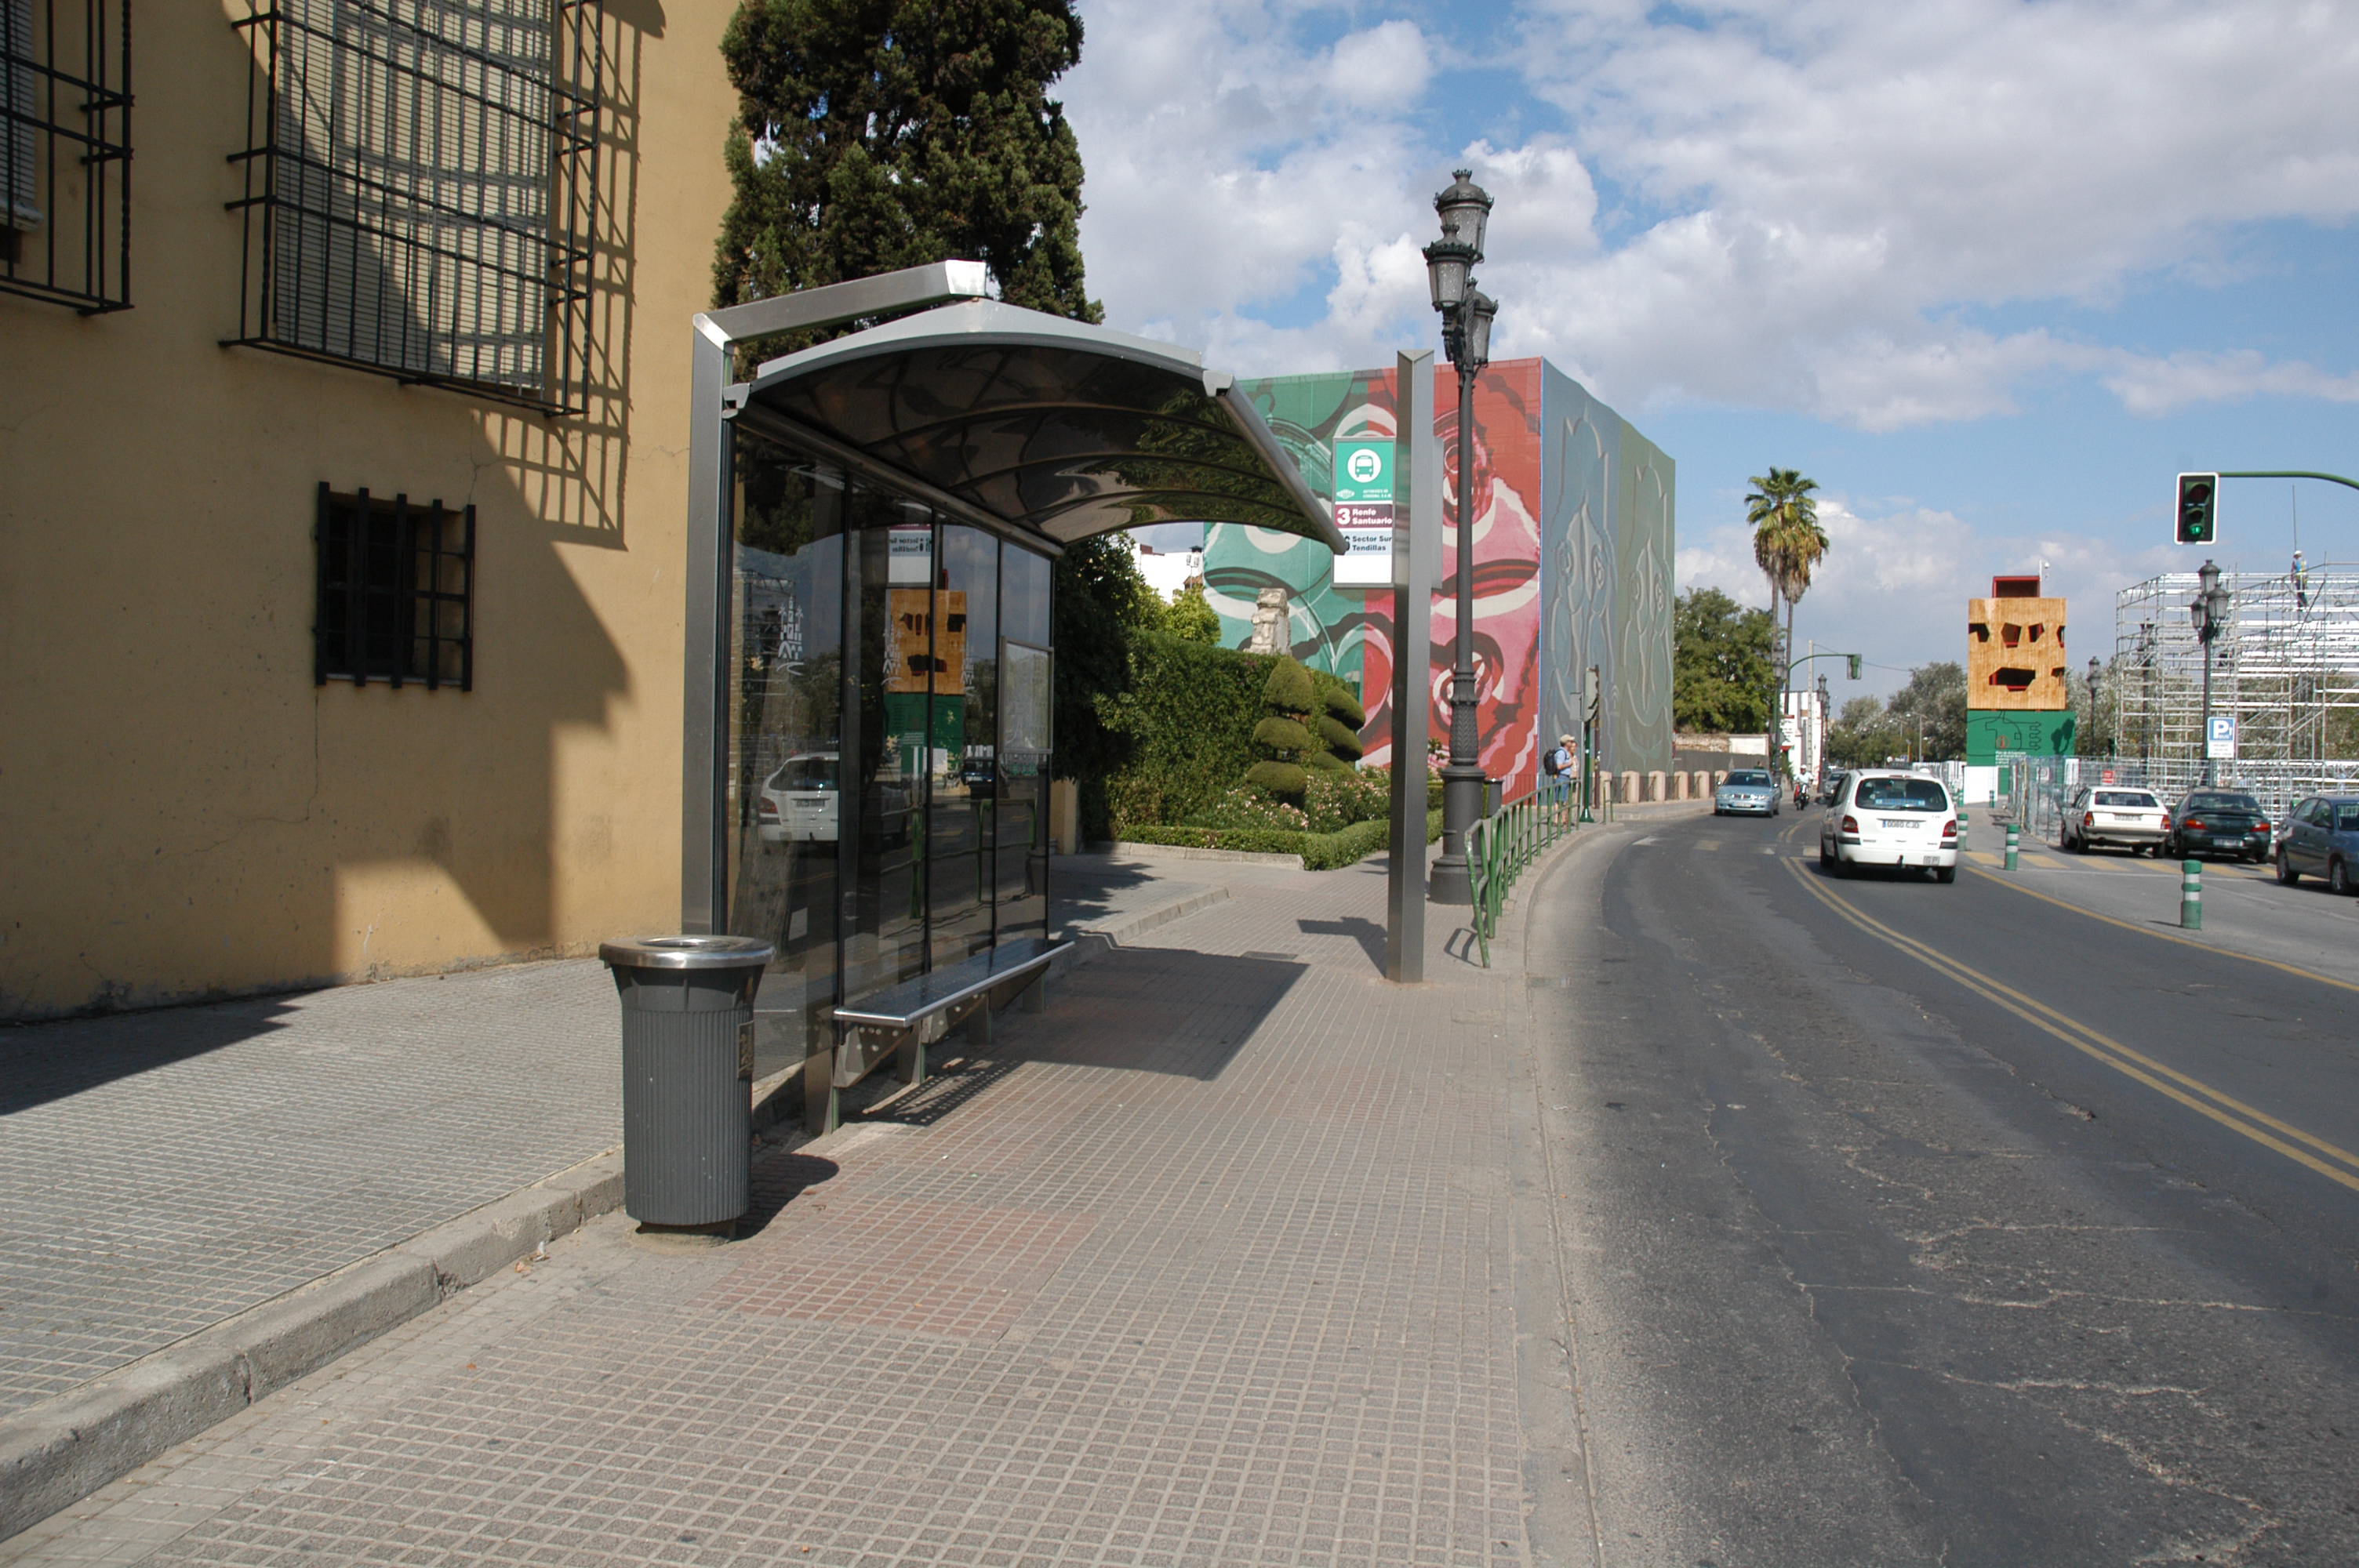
x,y
2322,837
2219,822
981,776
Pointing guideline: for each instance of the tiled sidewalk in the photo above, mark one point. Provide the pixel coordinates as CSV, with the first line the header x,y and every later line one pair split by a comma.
x,y
1211,1262
160,1171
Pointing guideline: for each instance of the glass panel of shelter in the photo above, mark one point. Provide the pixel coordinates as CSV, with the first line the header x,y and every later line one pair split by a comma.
x,y
881,824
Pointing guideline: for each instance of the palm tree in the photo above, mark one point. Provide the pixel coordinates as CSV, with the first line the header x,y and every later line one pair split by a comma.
x,y
1789,544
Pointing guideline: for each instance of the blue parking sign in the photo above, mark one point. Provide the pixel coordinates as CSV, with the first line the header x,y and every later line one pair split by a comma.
x,y
2220,740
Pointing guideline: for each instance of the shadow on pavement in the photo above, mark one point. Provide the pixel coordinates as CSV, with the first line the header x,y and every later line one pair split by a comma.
x,y
42,1062
1087,887
779,1180
1368,933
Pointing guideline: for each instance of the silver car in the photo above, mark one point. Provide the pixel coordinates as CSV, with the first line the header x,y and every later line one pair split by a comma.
x,y
1748,791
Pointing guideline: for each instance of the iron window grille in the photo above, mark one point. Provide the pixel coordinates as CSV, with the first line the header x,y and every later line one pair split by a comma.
x,y
396,592
419,193
65,152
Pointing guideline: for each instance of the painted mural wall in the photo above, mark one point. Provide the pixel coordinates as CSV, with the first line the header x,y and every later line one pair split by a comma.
x,y
1574,535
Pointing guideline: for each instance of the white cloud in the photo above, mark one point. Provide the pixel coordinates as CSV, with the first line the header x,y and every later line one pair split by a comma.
x,y
2150,385
1385,66
1807,204
1886,569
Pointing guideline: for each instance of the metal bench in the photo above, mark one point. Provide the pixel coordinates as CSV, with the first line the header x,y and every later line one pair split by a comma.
x,y
901,1021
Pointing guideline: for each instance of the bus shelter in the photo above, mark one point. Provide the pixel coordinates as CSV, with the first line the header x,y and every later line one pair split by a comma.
x,y
871,639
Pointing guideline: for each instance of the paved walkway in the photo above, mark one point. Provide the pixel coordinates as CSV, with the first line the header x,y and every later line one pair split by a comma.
x,y
161,1171
1220,1259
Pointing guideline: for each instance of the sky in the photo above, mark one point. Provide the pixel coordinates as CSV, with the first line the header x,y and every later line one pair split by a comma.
x,y
1991,273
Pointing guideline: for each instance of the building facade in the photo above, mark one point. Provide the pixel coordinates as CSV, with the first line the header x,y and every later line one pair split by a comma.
x,y
343,410
1575,536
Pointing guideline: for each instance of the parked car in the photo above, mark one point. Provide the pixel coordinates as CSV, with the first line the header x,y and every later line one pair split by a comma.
x,y
1746,792
2113,814
2219,822
1887,817
2322,837
981,776
798,801
796,804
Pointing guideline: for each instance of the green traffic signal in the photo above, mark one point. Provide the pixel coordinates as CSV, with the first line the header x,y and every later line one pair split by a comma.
x,y
2197,495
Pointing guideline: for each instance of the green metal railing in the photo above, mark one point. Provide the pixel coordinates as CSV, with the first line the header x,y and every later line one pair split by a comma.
x,y
1499,846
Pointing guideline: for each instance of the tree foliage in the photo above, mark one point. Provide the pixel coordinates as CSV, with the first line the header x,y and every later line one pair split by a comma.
x,y
1933,705
1787,541
874,135
1102,607
1720,670
1190,617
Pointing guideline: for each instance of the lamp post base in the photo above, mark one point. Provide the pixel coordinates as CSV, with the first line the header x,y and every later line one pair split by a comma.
x,y
1462,787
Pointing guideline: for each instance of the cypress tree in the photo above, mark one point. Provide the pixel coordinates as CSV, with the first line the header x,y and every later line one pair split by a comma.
x,y
874,134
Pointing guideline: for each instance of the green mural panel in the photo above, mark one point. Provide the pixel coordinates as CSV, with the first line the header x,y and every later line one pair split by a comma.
x,y
1645,563
1995,736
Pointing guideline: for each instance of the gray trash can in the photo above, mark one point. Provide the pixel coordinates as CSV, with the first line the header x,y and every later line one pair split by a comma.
x,y
688,1063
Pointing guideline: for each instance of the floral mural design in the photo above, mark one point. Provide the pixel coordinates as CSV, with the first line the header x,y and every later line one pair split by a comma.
x,y
1559,551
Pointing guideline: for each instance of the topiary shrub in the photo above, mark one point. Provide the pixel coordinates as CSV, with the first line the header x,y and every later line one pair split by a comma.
x,y
1284,739
1339,720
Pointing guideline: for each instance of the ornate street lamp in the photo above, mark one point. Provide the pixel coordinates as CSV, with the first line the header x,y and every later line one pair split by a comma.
x,y
1466,312
2209,609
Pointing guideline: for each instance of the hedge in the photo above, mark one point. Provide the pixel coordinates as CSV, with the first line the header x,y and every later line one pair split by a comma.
x,y
1319,851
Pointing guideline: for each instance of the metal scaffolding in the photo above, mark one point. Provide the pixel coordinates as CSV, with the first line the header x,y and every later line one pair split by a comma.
x,y
2286,661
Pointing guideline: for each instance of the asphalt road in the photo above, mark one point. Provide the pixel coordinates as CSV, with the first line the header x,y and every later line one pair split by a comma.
x,y
1913,1223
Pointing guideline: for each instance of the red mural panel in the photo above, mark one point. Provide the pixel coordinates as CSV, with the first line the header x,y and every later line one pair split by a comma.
x,y
1506,494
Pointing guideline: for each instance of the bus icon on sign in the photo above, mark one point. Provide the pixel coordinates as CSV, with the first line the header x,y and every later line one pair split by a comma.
x,y
1363,466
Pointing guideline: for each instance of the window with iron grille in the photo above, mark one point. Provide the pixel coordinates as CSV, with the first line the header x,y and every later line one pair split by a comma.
x,y
418,181
65,152
396,591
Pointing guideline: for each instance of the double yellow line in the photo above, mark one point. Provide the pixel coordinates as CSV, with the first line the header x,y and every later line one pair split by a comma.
x,y
2328,1159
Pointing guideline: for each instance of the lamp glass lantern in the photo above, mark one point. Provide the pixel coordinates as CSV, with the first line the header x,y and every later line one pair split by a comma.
x,y
1465,210
1480,308
1448,269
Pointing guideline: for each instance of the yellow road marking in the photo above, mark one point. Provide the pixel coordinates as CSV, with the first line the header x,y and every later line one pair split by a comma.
x,y
2190,1091
1985,857
2162,935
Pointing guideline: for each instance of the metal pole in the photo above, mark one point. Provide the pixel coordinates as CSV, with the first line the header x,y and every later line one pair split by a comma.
x,y
2190,895
2203,736
1462,778
2013,839
1416,552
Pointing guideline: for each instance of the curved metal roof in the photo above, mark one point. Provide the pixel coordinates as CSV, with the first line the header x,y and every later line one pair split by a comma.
x,y
1058,428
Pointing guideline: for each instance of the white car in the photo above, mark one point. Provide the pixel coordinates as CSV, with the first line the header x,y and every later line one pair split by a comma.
x,y
2101,813
1887,818
798,802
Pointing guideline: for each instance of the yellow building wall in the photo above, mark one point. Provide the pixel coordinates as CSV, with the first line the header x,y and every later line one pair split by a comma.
x,y
185,812
2015,655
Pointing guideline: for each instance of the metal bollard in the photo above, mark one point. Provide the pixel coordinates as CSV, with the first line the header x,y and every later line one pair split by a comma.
x,y
2190,895
2014,837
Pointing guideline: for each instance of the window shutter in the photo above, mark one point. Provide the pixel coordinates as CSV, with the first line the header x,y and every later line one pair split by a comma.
x,y
20,136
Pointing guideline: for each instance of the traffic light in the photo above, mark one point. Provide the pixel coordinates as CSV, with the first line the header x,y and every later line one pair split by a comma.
x,y
1853,660
2197,495
1592,692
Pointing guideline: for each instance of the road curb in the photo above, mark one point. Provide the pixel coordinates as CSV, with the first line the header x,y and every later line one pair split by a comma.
x,y
61,1449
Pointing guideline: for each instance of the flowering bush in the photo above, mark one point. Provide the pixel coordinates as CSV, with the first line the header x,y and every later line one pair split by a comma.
x,y
1246,806
1333,801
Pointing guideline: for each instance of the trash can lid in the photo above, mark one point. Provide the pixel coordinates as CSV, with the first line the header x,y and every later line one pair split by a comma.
x,y
687,953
